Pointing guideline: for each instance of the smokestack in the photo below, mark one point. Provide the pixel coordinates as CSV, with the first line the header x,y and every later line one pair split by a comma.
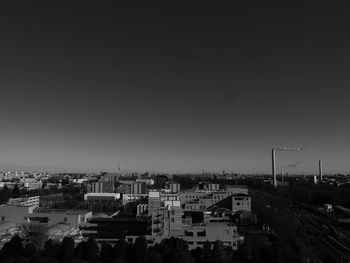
x,y
320,170
282,173
274,168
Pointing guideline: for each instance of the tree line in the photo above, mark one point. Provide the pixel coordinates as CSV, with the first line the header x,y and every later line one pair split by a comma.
x,y
169,250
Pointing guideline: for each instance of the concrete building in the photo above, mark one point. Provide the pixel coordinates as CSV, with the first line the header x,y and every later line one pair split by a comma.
x,y
213,187
56,216
15,214
236,189
160,182
25,201
200,204
110,177
101,187
61,230
101,197
31,183
241,202
174,187
165,220
141,209
189,195
133,188
197,235
126,198
147,181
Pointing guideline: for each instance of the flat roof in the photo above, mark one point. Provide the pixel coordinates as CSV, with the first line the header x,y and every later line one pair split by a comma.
x,y
102,194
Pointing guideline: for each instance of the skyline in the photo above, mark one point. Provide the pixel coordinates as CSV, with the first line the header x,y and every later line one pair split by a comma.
x,y
174,88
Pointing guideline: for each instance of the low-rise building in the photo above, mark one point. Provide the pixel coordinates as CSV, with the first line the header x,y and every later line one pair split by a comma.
x,y
197,235
25,201
101,197
126,198
241,202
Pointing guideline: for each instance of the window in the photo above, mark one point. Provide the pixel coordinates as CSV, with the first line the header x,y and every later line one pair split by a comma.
x,y
238,203
2,218
65,219
188,233
201,233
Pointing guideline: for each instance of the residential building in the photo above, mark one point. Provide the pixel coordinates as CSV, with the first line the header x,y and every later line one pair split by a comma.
x,y
236,189
241,202
126,198
101,197
160,182
197,235
101,187
25,201
213,187
133,188
174,187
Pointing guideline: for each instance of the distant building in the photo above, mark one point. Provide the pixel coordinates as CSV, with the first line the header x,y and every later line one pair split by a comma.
x,y
197,235
56,216
213,187
133,188
101,187
50,200
236,189
25,201
15,214
241,202
101,197
126,198
102,202
110,177
189,195
160,182
174,187
141,209
147,181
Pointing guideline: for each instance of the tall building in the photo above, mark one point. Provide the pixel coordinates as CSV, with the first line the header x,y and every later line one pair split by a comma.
x,y
133,188
110,177
175,187
101,187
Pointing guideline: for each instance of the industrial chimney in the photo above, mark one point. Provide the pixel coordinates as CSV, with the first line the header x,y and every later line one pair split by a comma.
x,y
320,169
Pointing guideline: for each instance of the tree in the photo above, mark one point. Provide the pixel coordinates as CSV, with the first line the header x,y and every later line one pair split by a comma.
x,y
13,248
16,193
218,253
140,250
30,251
175,250
66,250
120,249
5,194
80,250
38,237
91,250
51,249
106,252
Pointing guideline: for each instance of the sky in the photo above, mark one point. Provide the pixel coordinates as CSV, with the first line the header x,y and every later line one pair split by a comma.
x,y
174,87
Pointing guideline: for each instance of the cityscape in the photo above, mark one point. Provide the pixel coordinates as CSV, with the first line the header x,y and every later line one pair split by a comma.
x,y
174,132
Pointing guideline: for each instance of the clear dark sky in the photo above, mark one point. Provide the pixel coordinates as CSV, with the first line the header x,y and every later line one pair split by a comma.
x,y
174,87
